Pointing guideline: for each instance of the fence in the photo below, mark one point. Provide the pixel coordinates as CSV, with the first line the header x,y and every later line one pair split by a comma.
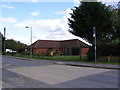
x,y
109,59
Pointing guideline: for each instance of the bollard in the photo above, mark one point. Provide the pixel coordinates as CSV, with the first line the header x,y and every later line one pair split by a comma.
x,y
51,53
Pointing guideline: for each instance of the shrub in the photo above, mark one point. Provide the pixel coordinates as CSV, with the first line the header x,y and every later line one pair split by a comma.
x,y
48,51
90,54
75,50
105,49
108,49
26,53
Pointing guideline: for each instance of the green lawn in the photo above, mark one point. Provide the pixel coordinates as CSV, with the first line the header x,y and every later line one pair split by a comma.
x,y
65,58
56,57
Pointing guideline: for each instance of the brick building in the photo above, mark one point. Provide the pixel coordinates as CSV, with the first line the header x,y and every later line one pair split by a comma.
x,y
64,46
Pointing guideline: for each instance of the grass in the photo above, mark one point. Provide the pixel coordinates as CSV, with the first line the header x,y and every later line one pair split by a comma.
x,y
65,58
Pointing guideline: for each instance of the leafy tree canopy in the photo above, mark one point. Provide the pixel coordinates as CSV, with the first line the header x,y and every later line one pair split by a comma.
x,y
88,15
15,45
116,23
2,42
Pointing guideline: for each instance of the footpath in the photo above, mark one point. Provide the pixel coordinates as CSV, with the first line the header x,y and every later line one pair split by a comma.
x,y
79,64
103,66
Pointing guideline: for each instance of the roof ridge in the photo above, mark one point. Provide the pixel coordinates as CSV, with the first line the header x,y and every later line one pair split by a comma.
x,y
83,42
57,40
48,40
64,40
36,44
58,44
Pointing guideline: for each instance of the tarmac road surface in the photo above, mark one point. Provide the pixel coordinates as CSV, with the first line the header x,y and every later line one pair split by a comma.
x,y
18,73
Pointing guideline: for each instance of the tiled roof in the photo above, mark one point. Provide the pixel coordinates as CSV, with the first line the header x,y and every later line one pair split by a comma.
x,y
58,44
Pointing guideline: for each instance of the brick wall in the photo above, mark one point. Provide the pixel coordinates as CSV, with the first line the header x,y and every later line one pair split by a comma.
x,y
39,51
84,51
43,51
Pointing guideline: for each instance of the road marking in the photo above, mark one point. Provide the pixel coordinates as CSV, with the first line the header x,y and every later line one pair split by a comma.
x,y
8,64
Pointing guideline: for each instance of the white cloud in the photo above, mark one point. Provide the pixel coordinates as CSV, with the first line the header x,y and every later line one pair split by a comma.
x,y
68,12
77,2
21,39
8,20
60,13
6,6
34,13
20,25
49,29
34,1
45,29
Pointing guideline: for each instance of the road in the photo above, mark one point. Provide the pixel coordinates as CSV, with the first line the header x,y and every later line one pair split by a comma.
x,y
18,73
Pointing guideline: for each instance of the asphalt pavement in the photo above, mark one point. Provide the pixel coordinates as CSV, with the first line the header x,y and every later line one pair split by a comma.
x,y
80,64
32,73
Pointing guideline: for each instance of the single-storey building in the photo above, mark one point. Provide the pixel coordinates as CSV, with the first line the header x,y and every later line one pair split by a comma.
x,y
64,46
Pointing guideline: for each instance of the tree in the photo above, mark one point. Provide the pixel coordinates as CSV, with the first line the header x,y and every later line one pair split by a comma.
x,y
15,45
116,23
88,15
1,38
2,41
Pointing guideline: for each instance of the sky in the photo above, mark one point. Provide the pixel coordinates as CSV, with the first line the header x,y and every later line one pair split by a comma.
x,y
47,19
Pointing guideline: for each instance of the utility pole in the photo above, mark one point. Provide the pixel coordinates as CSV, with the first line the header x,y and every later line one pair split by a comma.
x,y
80,53
4,38
94,36
118,11
30,40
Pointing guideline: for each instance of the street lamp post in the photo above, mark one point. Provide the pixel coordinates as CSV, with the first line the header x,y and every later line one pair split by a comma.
x,y
94,35
4,38
30,40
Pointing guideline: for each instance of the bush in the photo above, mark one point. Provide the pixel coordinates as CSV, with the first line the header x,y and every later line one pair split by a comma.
x,y
109,49
26,53
90,54
48,51
104,49
75,50
10,53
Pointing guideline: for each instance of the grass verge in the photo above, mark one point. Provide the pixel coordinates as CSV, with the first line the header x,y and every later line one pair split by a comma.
x,y
84,59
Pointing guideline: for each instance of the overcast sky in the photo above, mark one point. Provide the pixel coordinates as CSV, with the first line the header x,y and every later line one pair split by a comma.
x,y
47,19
